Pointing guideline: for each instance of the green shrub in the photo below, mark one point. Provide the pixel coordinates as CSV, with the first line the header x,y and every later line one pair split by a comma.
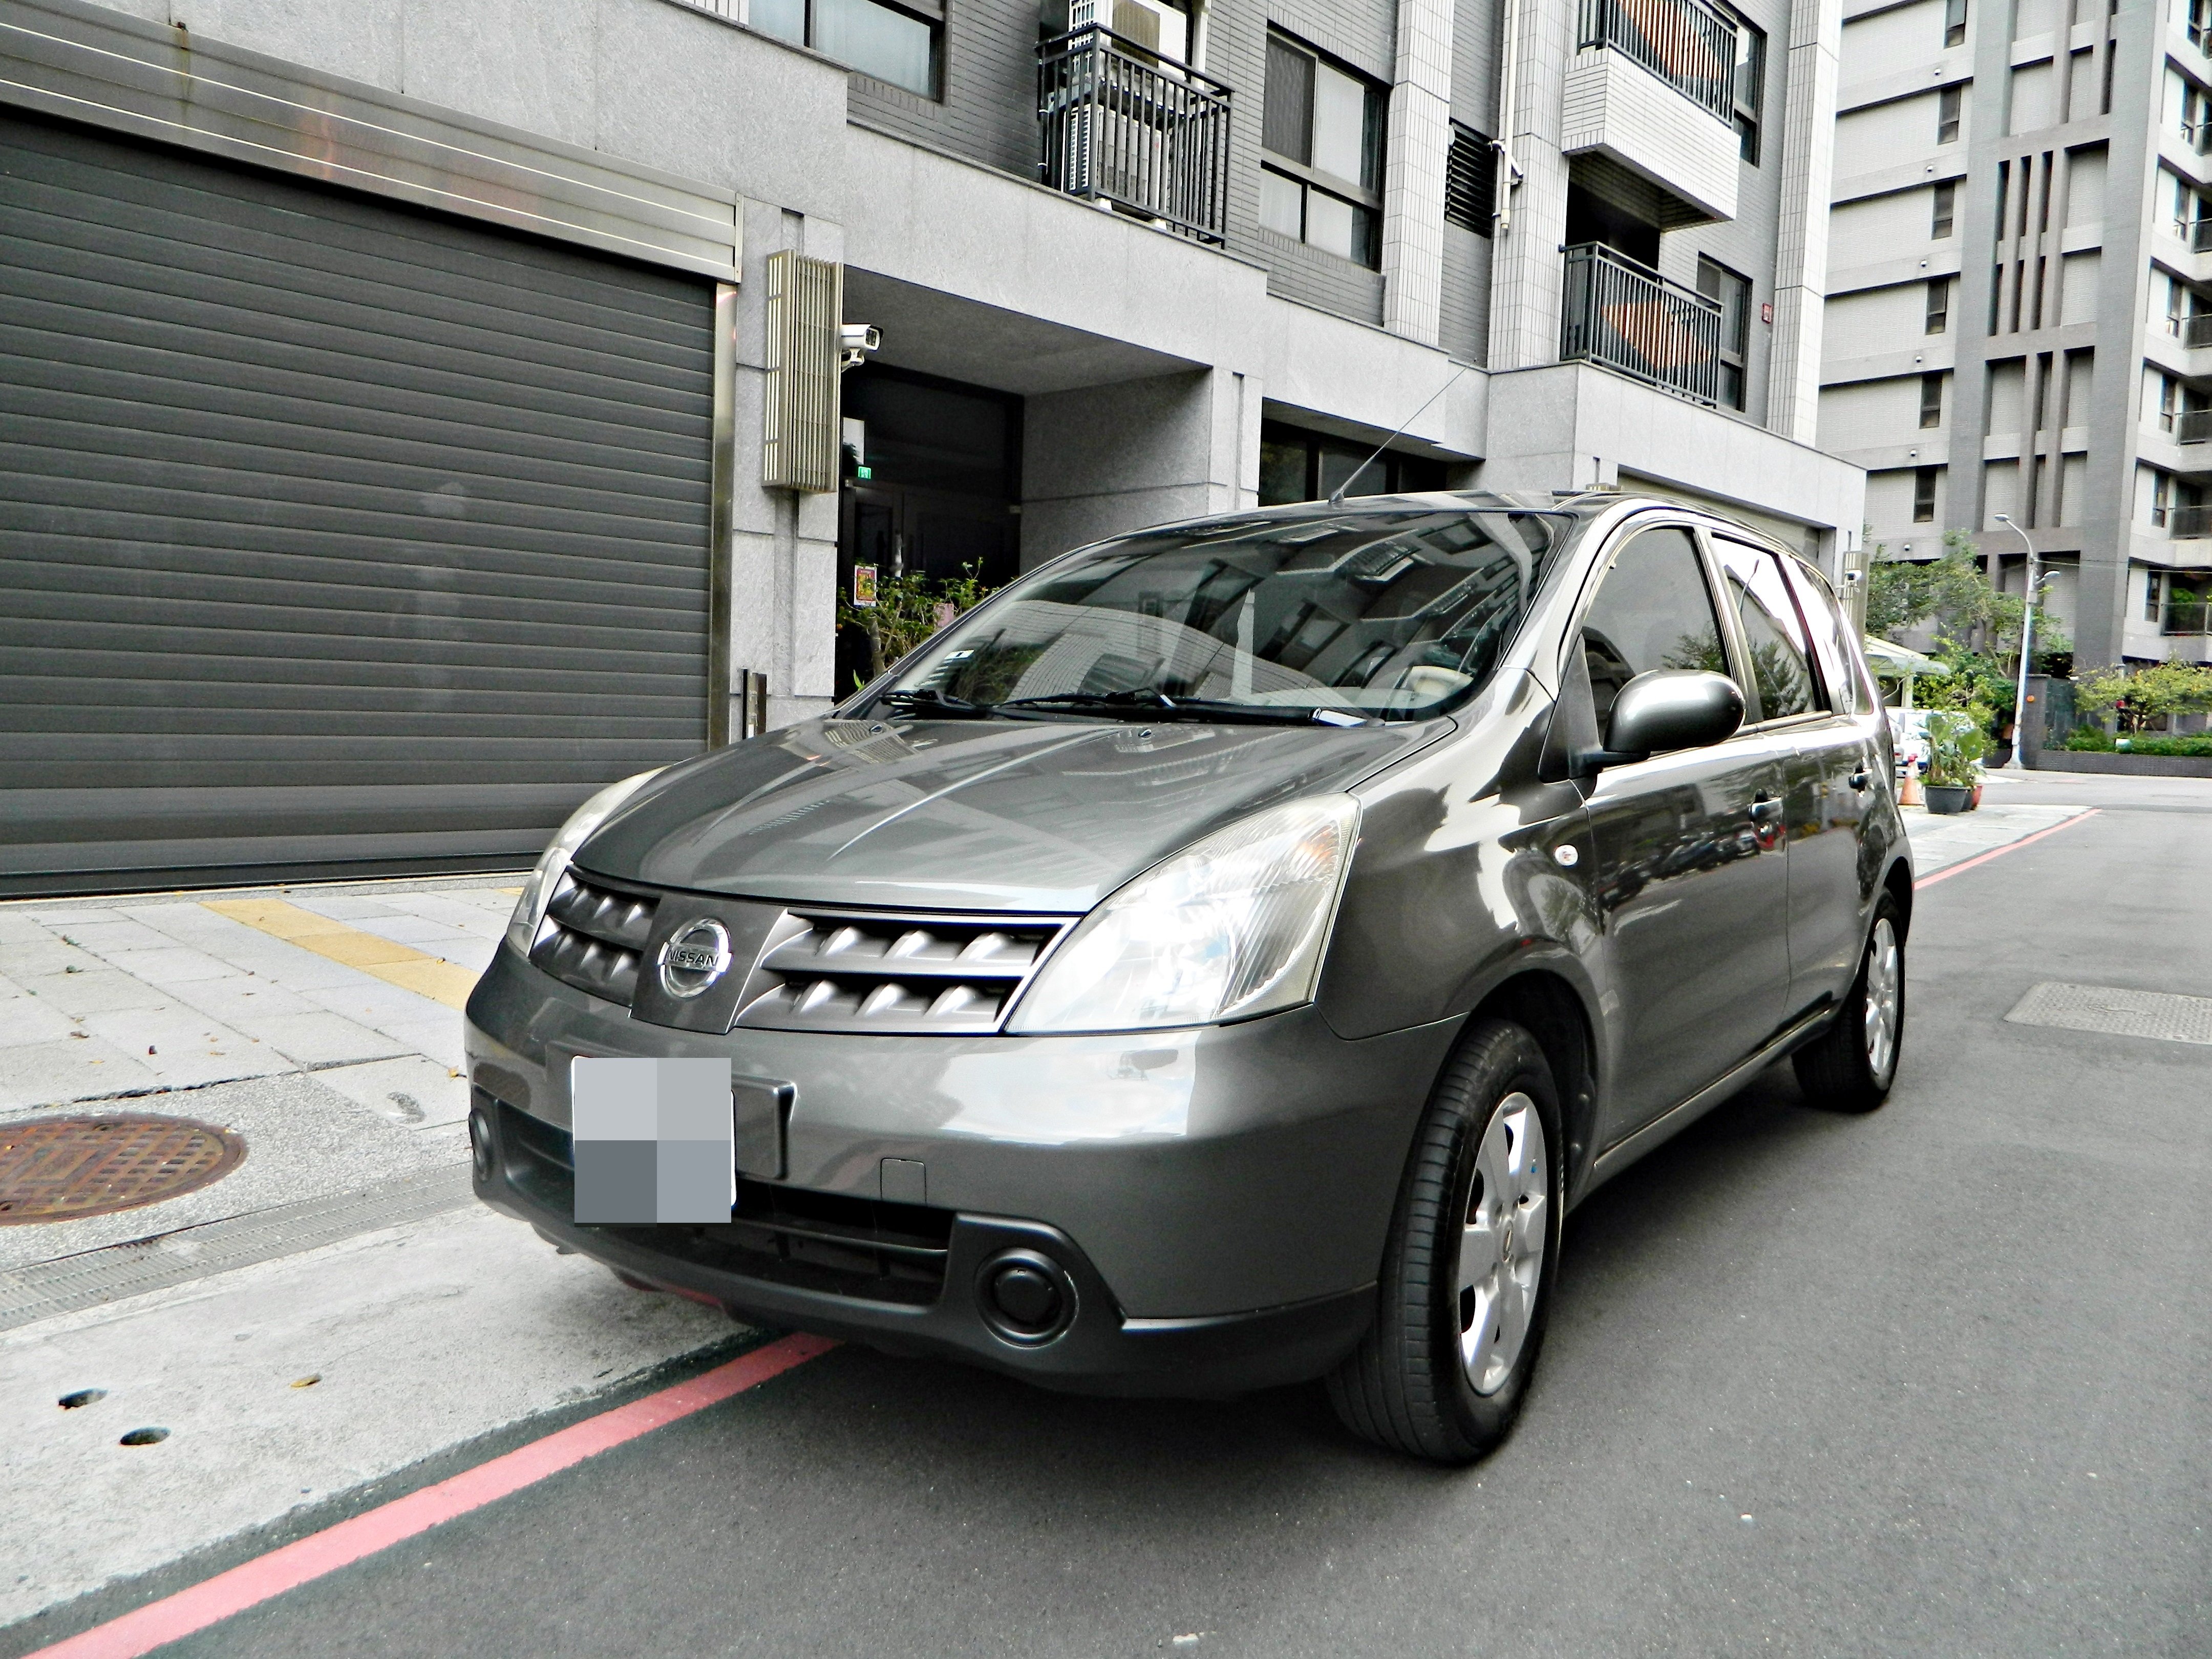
x,y
2089,740
2159,742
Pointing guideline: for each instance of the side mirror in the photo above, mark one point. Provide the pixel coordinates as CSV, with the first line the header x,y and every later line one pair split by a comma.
x,y
1668,709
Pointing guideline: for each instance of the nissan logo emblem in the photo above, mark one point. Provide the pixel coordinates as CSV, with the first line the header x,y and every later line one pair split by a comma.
x,y
694,957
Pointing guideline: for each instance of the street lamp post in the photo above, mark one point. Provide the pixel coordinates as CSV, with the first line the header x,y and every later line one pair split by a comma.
x,y
2027,641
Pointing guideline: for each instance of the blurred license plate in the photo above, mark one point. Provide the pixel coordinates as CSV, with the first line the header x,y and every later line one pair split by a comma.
x,y
655,1141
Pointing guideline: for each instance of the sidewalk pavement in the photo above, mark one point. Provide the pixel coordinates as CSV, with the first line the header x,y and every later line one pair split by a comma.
x,y
320,1023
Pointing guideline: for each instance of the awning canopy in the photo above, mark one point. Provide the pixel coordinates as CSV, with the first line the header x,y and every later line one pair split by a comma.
x,y
1898,663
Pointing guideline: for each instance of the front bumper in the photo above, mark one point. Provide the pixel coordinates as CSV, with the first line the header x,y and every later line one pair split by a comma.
x,y
1217,1199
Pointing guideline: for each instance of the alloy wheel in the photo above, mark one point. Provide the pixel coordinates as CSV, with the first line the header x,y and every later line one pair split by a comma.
x,y
1502,1243
1885,979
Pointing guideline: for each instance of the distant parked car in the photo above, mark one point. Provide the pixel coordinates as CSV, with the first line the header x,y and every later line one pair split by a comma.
x,y
1221,958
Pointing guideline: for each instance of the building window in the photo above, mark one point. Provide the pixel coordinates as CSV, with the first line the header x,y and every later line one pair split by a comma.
x,y
1298,465
1470,181
1750,88
1954,22
1932,400
2161,497
904,47
2200,23
2169,401
1923,495
2150,595
1946,205
1947,115
1717,282
1321,127
1939,305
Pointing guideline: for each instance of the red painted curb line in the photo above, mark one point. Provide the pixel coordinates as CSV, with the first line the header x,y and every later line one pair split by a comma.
x,y
1950,870
251,1582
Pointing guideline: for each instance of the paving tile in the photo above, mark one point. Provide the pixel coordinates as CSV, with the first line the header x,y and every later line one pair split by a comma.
x,y
416,1092
95,990
25,1018
288,965
321,1039
20,962
77,1068
241,996
340,907
171,964
17,928
373,1002
421,932
115,932
458,912
476,956
440,1038
65,918
184,1049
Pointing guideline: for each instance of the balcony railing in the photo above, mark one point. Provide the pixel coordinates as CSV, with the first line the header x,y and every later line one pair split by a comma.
x,y
2197,135
1145,134
2194,234
1688,45
2193,426
2183,522
2187,616
1628,317
2194,331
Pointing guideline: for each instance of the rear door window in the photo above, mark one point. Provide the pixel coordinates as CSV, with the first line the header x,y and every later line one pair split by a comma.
x,y
1825,618
1783,676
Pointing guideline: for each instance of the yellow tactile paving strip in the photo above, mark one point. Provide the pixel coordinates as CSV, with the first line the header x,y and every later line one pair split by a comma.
x,y
380,958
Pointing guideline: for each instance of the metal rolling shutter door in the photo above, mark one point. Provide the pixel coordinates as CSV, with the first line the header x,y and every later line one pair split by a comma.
x,y
331,531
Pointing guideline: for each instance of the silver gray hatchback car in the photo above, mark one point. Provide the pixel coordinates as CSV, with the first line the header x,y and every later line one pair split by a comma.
x,y
1221,957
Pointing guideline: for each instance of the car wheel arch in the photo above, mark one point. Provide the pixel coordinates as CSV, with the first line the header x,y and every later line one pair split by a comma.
x,y
1553,1011
1897,882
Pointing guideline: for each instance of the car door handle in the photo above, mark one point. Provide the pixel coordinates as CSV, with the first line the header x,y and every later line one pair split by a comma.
x,y
1861,778
1764,811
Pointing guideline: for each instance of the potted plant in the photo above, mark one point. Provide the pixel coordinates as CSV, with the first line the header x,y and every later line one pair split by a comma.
x,y
1955,744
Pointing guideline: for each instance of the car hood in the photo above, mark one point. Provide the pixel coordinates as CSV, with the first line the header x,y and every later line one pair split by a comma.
x,y
1048,817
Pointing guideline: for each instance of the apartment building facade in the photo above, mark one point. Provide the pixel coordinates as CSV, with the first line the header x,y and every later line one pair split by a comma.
x,y
2018,259
403,400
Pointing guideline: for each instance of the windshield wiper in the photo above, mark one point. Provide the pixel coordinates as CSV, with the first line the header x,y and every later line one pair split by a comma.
x,y
1148,703
930,700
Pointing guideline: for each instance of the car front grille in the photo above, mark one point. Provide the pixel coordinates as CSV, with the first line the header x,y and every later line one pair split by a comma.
x,y
831,1242
594,937
835,970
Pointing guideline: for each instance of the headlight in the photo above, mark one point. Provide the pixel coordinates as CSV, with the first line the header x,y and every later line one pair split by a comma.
x,y
538,891
1231,926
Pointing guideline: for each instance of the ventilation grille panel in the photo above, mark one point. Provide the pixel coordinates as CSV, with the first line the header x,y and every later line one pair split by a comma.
x,y
853,971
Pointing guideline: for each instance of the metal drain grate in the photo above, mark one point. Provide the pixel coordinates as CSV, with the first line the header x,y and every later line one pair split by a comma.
x,y
2107,1008
59,1169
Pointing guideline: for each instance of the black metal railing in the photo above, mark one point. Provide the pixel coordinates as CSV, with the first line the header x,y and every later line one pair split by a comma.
x,y
1630,317
2185,522
2187,616
1143,133
2192,426
2194,331
1688,45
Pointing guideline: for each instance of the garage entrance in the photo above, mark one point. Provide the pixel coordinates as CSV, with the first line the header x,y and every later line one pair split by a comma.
x,y
337,536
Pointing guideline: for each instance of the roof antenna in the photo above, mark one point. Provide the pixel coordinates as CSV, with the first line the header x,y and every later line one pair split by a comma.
x,y
1337,499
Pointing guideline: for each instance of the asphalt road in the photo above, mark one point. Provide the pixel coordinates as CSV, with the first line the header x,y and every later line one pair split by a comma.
x,y
1937,1382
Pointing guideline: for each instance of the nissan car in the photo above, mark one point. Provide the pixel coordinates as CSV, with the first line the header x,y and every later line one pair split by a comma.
x,y
1221,958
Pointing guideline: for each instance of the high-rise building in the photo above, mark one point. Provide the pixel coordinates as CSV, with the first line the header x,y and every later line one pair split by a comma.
x,y
2020,272
422,414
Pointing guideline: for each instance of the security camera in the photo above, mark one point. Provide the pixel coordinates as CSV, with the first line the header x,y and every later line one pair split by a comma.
x,y
857,342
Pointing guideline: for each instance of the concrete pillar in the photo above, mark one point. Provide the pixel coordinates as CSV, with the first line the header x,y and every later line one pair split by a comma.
x,y
1526,274
1801,255
1413,192
783,550
1103,460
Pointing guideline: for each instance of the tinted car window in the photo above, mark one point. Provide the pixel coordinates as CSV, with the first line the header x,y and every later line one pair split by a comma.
x,y
1825,619
1395,614
1781,659
1653,610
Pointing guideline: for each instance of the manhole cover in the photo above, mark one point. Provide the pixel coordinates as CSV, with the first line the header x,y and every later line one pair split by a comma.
x,y
56,1169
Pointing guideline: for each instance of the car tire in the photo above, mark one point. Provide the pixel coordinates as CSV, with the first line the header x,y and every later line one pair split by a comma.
x,y
1460,1307
1850,1066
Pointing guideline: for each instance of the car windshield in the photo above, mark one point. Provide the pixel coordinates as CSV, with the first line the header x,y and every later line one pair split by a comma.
x,y
1358,615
